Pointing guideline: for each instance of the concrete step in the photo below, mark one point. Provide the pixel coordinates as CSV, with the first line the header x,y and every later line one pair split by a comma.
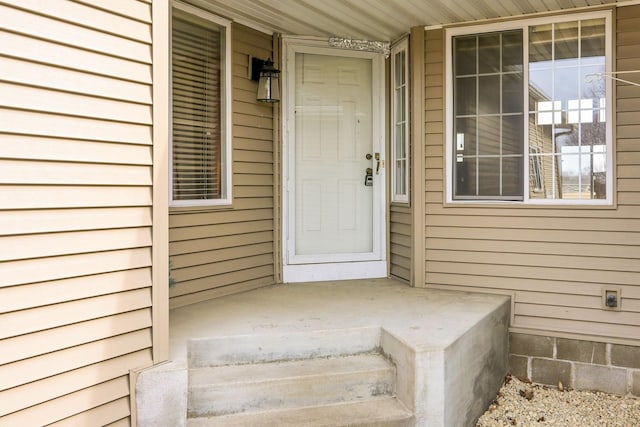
x,y
384,411
255,348
230,389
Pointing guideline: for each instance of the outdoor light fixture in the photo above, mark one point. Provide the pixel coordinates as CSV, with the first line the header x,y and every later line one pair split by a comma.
x,y
268,80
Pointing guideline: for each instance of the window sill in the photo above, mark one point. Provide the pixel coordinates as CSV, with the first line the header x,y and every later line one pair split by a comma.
x,y
200,208
509,204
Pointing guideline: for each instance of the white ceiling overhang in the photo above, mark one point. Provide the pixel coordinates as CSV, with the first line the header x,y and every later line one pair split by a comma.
x,y
378,19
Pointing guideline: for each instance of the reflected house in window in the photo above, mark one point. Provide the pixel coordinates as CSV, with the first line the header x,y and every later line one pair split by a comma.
x,y
567,123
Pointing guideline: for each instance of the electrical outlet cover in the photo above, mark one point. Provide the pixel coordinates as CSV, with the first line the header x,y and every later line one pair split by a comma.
x,y
608,291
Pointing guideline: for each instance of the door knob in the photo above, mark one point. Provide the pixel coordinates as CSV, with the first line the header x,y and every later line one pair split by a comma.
x,y
368,156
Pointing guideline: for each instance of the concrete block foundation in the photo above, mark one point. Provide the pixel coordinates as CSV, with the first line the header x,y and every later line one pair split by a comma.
x,y
531,345
581,351
625,356
550,371
518,366
603,378
578,364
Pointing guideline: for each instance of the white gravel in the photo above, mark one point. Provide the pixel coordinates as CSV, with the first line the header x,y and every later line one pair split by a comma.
x,y
522,404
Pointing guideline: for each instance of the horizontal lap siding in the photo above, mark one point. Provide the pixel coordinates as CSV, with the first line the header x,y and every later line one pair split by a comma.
x,y
553,261
229,250
400,242
75,211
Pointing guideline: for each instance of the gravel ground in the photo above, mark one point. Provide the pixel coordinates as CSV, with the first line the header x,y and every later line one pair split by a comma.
x,y
523,404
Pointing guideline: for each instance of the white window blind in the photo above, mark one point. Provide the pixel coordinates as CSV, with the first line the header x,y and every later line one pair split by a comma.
x,y
197,146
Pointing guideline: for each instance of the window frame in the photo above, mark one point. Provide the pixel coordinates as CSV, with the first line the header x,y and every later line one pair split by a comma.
x,y
401,46
225,106
524,24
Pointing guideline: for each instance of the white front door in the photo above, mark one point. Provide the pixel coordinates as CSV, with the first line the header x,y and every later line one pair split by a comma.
x,y
335,216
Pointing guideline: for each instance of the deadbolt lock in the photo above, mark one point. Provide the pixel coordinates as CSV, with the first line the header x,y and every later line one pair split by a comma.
x,y
368,178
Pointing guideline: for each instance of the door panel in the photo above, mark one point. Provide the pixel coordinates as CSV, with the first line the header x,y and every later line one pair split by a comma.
x,y
334,225
333,128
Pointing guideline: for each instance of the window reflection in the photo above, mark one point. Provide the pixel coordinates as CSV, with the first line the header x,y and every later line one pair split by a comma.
x,y
567,126
580,111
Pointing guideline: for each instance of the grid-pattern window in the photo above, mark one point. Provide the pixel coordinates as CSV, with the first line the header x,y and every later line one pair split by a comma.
x,y
199,141
400,117
531,91
488,116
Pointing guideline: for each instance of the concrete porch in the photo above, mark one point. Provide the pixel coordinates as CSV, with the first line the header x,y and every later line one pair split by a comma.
x,y
449,349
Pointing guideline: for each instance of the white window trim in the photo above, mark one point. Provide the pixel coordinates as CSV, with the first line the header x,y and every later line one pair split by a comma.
x,y
226,102
403,45
523,24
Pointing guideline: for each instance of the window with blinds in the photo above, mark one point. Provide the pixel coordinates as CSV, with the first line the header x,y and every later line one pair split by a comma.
x,y
198,151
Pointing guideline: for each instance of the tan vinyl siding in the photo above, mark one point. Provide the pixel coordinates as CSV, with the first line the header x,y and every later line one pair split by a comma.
x,y
75,211
400,242
220,251
554,261
434,116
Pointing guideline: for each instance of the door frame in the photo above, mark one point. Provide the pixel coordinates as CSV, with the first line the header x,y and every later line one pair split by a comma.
x,y
305,268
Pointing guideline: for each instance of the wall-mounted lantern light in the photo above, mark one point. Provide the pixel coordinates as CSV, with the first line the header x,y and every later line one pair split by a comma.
x,y
268,80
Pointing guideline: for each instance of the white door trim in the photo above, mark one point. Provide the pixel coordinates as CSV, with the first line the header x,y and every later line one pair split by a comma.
x,y
301,268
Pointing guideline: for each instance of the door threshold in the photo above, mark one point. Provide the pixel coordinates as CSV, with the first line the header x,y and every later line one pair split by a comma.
x,y
334,271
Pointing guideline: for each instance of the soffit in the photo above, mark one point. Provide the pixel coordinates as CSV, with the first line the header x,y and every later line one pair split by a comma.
x,y
376,19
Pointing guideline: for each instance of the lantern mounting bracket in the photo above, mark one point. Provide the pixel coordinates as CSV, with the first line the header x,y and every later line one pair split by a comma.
x,y
256,66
